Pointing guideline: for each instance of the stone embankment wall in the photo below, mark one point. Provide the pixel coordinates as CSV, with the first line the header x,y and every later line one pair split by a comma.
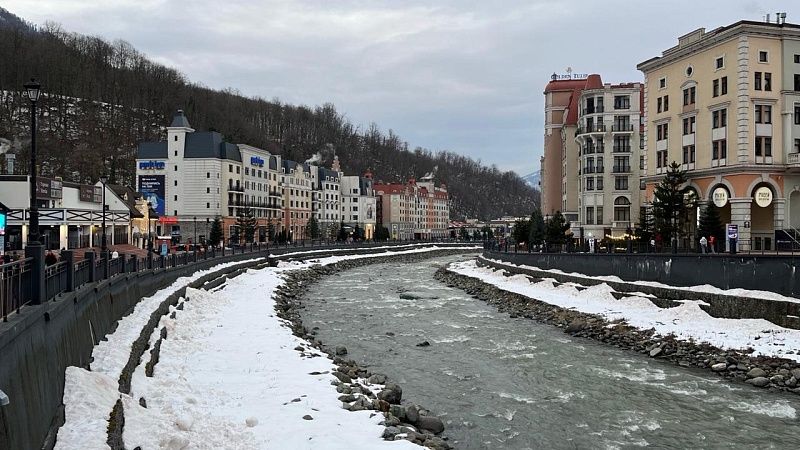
x,y
775,274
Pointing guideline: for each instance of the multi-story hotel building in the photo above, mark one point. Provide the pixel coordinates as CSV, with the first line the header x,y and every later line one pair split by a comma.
x,y
414,210
733,123
327,199
609,147
297,201
358,203
590,166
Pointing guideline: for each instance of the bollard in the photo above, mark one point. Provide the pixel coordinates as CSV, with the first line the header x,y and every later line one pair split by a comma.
x,y
68,256
104,259
135,263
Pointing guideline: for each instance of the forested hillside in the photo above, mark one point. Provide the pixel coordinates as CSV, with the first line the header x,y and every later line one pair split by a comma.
x,y
102,98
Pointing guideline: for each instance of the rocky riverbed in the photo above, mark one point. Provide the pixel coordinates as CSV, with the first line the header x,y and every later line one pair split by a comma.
x,y
357,385
760,371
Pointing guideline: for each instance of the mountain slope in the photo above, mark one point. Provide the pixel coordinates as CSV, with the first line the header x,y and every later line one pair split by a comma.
x,y
103,98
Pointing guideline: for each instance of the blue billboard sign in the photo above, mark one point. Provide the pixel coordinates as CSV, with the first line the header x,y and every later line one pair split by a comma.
x,y
256,161
152,165
152,188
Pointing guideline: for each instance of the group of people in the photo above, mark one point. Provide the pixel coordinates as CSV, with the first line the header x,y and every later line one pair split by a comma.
x,y
708,244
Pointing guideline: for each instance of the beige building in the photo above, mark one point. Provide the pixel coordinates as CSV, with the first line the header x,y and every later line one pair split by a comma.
x,y
414,210
725,105
609,148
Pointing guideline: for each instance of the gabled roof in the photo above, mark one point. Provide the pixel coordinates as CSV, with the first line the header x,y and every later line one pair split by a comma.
x,y
128,196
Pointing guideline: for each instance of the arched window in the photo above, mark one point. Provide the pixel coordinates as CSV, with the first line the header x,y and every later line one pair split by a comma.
x,y
622,209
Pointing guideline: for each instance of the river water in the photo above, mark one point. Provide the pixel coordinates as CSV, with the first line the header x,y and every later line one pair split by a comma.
x,y
499,382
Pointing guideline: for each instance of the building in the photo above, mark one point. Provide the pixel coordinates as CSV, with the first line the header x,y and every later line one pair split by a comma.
x,y
70,214
733,124
358,203
194,177
610,143
414,211
297,188
327,199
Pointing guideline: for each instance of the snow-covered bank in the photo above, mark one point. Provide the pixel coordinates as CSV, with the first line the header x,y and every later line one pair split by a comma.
x,y
228,376
687,321
707,288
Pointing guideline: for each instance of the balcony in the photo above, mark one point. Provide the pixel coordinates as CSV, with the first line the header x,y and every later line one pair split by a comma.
x,y
621,169
594,110
622,128
622,149
595,128
588,170
236,188
793,159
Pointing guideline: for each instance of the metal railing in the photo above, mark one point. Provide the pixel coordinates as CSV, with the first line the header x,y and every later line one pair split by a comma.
x,y
83,273
55,279
15,286
622,127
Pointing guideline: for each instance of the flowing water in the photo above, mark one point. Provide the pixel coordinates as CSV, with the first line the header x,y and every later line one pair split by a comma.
x,y
509,383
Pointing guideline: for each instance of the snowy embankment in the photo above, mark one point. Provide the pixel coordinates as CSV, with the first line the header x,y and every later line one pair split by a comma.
x,y
228,376
687,321
706,288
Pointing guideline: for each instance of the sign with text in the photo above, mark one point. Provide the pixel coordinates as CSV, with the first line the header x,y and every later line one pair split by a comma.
x,y
152,188
47,188
256,161
720,197
152,165
763,196
92,194
168,219
733,231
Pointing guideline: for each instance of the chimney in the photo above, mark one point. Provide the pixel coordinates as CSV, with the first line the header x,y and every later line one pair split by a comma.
x,y
10,157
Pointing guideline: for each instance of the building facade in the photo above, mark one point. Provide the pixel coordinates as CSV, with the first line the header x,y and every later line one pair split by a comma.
x,y
414,210
733,123
358,203
610,143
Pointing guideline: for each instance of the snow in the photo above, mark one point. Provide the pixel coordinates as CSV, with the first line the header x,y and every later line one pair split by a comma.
x,y
707,288
686,321
228,377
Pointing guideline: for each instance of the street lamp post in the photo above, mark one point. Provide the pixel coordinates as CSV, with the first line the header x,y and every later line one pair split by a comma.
x,y
32,91
103,242
195,232
149,236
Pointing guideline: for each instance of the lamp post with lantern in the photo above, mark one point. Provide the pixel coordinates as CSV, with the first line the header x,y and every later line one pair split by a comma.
x,y
103,242
32,91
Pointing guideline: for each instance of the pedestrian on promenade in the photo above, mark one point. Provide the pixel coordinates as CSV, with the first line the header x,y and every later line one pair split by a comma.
x,y
704,244
712,241
50,258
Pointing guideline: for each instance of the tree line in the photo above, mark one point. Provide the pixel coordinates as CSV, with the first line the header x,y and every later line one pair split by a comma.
x,y
102,98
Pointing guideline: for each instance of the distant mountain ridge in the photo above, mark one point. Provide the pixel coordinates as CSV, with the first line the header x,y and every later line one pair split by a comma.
x,y
533,179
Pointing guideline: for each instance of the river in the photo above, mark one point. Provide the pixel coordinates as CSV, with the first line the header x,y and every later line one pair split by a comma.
x,y
499,382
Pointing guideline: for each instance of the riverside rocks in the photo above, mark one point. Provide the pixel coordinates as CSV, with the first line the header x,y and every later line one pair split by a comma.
x,y
760,371
354,382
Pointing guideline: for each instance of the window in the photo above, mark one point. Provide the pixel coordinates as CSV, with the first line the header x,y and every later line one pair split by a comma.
x,y
208,205
622,102
797,145
590,215
247,171
715,88
689,95
797,59
599,215
621,183
797,113
230,168
176,167
590,183
724,85
599,183
238,169
661,158
666,103
719,149
662,131
797,82
689,125
688,154
176,198
176,152
208,190
641,162
622,209
767,81
176,138
757,81
660,103
176,182
622,164
720,62
763,56
208,174
719,118
622,144
763,114
763,146
662,83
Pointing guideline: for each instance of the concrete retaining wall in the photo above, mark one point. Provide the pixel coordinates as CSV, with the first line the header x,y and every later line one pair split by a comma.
x,y
750,273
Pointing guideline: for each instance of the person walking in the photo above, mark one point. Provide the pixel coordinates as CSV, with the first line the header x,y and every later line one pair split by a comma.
x,y
704,244
712,241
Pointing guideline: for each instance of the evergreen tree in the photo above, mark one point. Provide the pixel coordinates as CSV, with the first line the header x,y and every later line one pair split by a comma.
x,y
246,223
215,235
671,204
271,231
381,233
556,229
644,229
521,230
711,224
342,232
537,228
312,228
358,234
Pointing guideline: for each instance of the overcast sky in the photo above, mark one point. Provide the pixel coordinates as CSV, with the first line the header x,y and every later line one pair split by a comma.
x,y
465,76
